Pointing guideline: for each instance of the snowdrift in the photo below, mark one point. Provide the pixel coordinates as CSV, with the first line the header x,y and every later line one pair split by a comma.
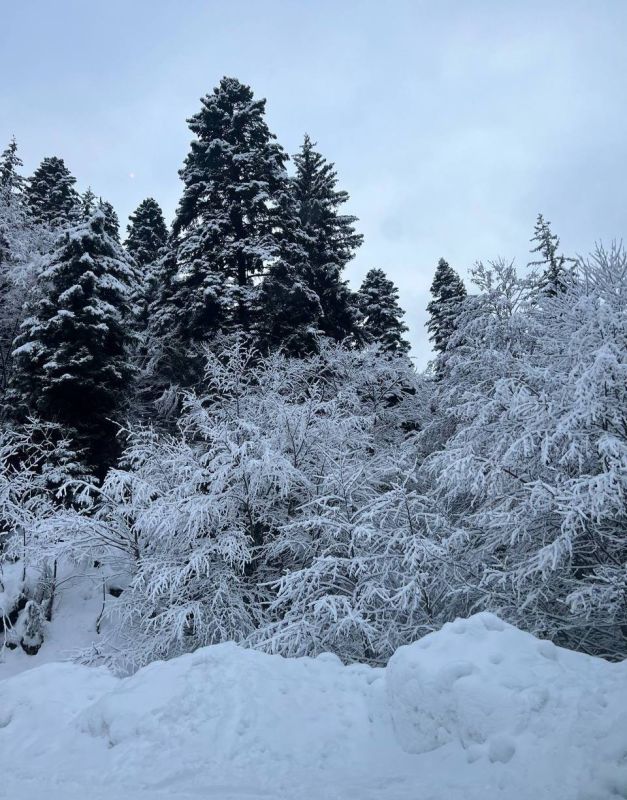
x,y
478,710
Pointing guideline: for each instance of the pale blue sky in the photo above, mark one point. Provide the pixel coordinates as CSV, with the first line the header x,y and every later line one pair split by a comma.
x,y
451,123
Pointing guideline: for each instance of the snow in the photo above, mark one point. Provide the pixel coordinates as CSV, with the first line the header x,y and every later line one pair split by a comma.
x,y
477,710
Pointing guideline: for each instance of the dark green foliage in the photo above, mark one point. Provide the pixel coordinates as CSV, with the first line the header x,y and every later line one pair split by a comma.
x,y
381,316
71,354
448,292
50,194
227,226
147,233
557,274
290,312
330,240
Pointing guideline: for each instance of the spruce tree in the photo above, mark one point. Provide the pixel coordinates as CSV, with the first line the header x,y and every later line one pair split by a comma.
x,y
71,354
381,316
330,239
111,221
147,233
50,194
448,292
227,227
10,163
88,203
556,275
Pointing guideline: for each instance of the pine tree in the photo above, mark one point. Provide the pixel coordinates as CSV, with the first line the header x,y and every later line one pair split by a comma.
x,y
227,226
330,240
71,354
10,162
448,293
557,275
147,233
50,194
381,315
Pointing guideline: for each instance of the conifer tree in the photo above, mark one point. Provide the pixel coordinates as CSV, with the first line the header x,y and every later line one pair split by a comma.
x,y
448,292
88,203
50,194
330,238
10,162
381,316
227,227
111,221
147,233
71,354
556,275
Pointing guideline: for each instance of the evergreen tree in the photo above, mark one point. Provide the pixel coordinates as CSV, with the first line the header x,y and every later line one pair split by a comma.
x,y
111,221
71,354
227,227
50,194
10,162
448,293
88,203
556,275
147,233
330,238
381,315
290,312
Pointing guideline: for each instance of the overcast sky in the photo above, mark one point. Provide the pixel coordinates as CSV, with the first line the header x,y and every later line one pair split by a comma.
x,y
451,123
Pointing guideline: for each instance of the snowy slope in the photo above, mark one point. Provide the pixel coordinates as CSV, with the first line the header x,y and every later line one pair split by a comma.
x,y
477,711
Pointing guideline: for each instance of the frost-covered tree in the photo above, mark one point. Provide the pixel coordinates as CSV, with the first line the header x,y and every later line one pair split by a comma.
x,y
88,203
557,271
147,233
10,177
448,293
534,476
228,224
330,238
50,194
286,467
111,221
23,249
381,316
71,353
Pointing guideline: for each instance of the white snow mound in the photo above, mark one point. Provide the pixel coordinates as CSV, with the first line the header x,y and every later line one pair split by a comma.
x,y
477,710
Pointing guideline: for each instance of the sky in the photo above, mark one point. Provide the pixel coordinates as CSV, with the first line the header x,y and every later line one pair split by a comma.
x,y
452,123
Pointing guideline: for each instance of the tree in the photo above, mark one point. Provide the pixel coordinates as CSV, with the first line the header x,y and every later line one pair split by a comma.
x,y
381,316
50,194
448,293
88,203
147,233
556,274
111,221
71,354
228,224
330,238
533,478
23,247
10,163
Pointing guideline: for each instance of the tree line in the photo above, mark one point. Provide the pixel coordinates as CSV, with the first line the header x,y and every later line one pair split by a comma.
x,y
211,422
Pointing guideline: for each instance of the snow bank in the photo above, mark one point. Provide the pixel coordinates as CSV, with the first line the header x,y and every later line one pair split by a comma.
x,y
477,711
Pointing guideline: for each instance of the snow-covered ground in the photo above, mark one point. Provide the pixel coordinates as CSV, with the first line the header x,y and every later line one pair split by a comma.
x,y
478,710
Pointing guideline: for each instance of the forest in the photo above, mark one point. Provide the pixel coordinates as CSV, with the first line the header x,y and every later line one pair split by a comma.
x,y
206,419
